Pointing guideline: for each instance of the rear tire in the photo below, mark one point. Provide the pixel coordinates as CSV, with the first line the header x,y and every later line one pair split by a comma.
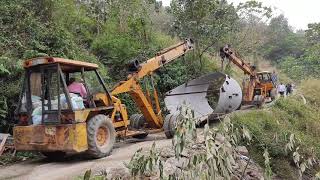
x,y
101,136
133,120
137,121
169,125
54,155
166,126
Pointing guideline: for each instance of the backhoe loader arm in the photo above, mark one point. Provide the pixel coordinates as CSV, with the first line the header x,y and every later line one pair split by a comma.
x,y
248,89
227,52
163,57
152,115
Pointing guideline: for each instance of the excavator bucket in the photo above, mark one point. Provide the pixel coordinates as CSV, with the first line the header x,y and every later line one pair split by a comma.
x,y
209,96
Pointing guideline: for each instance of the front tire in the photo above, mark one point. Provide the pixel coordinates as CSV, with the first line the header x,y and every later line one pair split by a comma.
x,y
273,94
258,101
101,136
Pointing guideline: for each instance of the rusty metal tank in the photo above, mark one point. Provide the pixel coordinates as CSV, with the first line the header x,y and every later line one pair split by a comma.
x,y
209,95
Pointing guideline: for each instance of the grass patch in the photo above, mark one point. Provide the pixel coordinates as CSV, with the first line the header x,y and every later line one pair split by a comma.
x,y
271,129
310,89
7,158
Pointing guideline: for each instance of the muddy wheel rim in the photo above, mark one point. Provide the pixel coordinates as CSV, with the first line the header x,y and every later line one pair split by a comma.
x,y
102,136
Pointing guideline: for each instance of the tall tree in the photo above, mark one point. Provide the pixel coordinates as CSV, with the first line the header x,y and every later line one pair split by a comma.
x,y
252,27
205,21
313,33
282,41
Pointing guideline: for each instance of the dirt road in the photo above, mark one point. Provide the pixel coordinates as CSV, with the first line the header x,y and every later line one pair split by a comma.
x,y
75,166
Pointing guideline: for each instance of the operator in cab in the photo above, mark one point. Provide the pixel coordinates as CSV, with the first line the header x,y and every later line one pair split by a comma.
x,y
77,88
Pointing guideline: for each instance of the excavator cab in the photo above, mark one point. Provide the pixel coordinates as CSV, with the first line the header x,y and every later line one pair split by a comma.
x,y
267,85
54,121
264,77
264,91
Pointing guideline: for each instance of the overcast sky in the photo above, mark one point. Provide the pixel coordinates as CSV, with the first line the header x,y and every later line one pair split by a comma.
x,y
299,12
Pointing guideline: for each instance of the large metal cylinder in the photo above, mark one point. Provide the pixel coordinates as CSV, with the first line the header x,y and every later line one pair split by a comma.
x,y
208,95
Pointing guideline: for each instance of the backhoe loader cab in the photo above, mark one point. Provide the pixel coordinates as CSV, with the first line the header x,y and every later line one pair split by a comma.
x,y
53,120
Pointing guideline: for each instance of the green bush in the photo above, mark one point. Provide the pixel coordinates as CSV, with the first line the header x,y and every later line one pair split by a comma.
x,y
310,89
271,128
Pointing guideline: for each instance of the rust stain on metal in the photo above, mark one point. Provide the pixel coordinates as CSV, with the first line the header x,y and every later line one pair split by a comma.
x,y
51,138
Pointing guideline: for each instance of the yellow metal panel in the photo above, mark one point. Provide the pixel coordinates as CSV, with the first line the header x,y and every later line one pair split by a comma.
x,y
50,60
124,114
65,137
22,135
104,98
145,107
121,108
80,143
119,124
81,115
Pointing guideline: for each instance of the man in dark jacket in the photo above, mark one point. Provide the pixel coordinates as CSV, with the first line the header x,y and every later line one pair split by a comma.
x,y
289,88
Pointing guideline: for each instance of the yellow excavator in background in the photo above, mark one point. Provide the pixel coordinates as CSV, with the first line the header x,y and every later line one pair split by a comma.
x,y
55,121
259,88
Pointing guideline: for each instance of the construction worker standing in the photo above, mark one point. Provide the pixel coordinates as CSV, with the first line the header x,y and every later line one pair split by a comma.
x,y
289,89
282,89
274,78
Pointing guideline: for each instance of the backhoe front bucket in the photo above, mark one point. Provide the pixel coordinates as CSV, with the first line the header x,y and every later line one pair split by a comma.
x,y
209,96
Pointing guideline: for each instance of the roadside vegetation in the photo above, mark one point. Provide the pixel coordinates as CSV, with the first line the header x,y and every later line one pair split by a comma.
x,y
10,158
310,88
283,139
290,130
212,154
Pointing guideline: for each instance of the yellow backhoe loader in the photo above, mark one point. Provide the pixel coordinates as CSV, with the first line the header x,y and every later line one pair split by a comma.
x,y
55,121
